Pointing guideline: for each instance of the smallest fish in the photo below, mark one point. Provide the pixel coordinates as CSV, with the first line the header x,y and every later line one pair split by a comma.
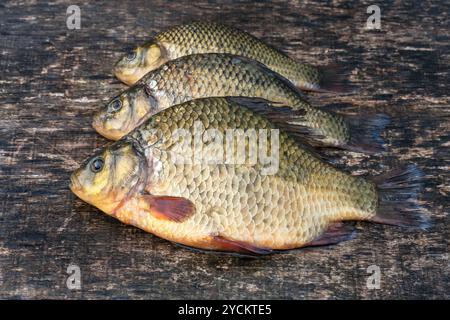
x,y
208,37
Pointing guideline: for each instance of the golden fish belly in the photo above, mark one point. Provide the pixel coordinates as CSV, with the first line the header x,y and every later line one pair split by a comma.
x,y
265,211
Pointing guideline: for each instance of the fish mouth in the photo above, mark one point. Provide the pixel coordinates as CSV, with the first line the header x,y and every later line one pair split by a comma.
x,y
97,121
129,78
126,74
74,184
118,70
98,125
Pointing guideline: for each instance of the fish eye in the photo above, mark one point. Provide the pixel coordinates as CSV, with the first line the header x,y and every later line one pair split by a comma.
x,y
116,105
131,55
97,164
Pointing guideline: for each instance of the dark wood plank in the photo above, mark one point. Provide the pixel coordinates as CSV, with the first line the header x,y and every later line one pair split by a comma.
x,y
52,79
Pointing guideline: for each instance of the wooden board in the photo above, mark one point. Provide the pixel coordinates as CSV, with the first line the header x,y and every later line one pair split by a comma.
x,y
52,80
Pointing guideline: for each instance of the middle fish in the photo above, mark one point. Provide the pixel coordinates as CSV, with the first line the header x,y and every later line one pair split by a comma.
x,y
221,75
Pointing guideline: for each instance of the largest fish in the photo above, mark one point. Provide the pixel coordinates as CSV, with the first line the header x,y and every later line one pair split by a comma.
x,y
150,179
208,37
213,75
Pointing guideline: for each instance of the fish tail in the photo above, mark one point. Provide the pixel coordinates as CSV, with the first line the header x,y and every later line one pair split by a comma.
x,y
331,79
365,133
398,196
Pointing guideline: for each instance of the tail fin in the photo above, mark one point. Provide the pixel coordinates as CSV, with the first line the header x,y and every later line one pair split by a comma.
x,y
398,192
365,131
333,80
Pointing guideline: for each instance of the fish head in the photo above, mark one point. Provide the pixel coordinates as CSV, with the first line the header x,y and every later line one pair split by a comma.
x,y
123,113
110,177
135,64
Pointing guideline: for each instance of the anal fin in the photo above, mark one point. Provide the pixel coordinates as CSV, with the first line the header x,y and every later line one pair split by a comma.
x,y
238,246
336,232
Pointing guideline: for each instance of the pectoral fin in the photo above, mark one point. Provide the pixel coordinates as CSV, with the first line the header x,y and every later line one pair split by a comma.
x,y
169,208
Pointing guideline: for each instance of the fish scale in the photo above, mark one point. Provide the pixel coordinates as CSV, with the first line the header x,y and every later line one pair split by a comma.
x,y
208,37
255,208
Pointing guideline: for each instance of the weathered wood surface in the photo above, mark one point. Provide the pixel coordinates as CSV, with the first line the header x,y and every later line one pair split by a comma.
x,y
52,79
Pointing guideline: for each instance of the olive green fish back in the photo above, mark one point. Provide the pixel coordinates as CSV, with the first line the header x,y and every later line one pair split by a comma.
x,y
206,37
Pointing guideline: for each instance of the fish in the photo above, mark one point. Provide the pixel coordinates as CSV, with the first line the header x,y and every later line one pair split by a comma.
x,y
219,75
180,176
209,37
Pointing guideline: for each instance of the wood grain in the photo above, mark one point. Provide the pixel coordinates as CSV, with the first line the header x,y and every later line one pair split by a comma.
x,y
52,80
